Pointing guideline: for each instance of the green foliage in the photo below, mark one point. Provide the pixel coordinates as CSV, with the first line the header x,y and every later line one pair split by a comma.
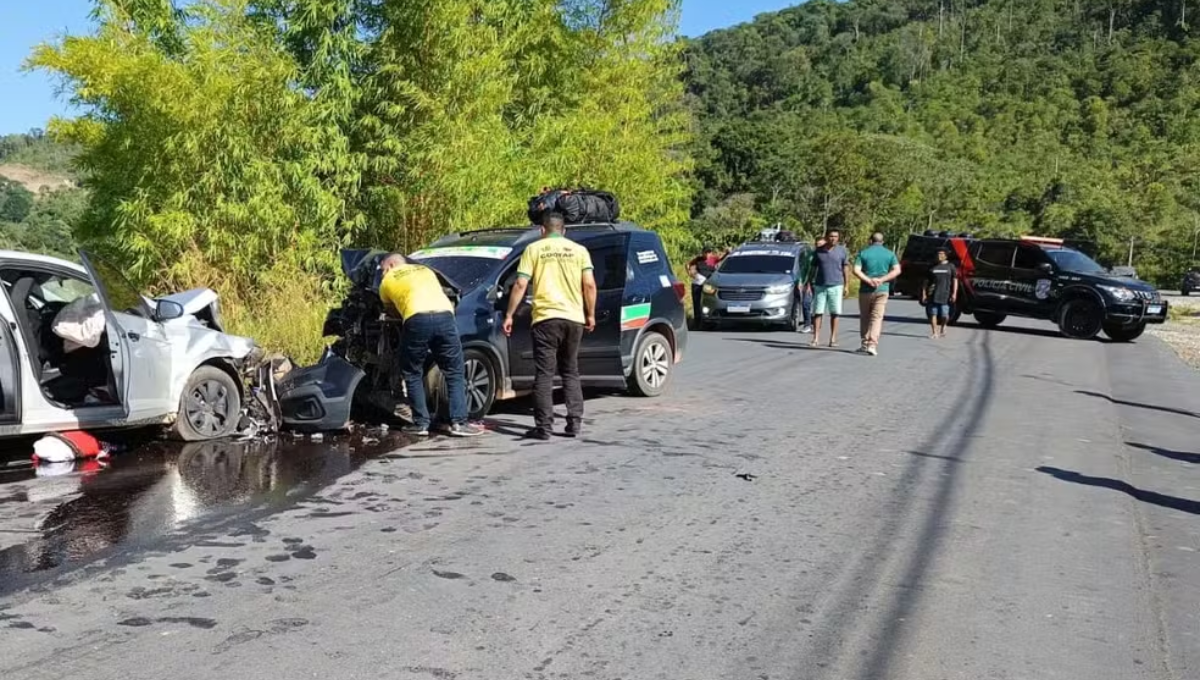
x,y
238,143
15,201
38,151
998,116
205,163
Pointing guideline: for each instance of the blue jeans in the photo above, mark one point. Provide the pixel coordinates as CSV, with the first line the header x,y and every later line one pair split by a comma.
x,y
806,303
937,311
436,334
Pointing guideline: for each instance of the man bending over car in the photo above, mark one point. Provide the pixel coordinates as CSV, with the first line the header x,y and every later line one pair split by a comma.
x,y
414,293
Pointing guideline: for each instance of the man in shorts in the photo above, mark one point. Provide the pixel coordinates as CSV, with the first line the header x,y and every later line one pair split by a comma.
x,y
939,293
828,273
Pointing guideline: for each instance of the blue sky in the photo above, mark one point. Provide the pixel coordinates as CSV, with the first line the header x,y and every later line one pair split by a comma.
x,y
29,99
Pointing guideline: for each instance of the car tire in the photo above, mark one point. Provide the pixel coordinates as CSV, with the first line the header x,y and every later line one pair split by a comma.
x,y
989,319
210,406
955,315
1124,333
482,383
1185,292
1081,319
653,361
796,320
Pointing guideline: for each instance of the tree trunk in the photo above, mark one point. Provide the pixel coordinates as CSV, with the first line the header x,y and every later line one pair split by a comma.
x,y
941,17
1112,22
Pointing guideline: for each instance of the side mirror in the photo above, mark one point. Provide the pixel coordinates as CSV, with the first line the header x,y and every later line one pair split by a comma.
x,y
1046,268
165,310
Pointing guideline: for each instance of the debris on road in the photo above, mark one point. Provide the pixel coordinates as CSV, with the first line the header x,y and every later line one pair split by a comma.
x,y
746,476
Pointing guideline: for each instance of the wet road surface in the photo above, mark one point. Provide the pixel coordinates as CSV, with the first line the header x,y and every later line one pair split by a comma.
x,y
1003,504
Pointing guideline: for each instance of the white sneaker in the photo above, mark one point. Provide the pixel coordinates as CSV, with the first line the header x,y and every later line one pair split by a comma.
x,y
807,330
873,350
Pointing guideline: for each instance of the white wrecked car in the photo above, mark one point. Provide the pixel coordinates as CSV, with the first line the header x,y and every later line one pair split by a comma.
x,y
82,349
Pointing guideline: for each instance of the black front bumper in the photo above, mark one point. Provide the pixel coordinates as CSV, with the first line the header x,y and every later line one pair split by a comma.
x,y
1137,312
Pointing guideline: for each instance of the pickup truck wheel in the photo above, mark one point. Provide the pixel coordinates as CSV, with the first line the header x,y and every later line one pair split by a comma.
x,y
1124,333
1081,318
989,319
652,364
210,406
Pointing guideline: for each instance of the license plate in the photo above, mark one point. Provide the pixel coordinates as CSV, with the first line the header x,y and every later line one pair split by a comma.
x,y
739,309
1154,309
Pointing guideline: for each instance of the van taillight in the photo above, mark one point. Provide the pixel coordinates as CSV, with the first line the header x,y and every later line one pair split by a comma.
x,y
680,290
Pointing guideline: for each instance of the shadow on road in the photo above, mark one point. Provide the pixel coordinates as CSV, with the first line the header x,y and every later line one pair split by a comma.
x,y
1134,404
923,454
1151,497
1193,458
778,344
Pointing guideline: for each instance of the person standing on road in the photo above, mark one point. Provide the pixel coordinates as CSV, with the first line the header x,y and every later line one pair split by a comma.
x,y
806,291
828,275
939,293
875,267
414,293
564,306
699,269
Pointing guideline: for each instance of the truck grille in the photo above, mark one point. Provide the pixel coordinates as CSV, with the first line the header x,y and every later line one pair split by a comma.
x,y
735,295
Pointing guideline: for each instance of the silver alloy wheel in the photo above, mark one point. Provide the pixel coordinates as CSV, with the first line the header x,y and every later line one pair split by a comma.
x,y
207,408
655,364
479,384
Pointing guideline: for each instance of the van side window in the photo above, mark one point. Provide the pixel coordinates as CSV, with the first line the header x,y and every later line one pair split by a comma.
x,y
996,254
610,265
1029,257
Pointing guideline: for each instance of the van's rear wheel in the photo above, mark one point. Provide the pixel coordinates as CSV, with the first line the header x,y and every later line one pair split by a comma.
x,y
652,364
210,406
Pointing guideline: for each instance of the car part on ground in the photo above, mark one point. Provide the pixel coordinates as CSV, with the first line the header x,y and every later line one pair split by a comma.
x,y
319,398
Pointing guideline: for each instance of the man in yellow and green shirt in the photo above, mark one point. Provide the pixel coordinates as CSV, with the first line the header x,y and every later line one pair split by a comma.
x,y
564,306
414,293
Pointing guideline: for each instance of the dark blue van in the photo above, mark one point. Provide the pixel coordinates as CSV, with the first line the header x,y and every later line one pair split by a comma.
x,y
641,325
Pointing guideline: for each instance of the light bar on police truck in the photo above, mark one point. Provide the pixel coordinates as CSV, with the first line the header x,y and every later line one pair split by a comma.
x,y
1043,240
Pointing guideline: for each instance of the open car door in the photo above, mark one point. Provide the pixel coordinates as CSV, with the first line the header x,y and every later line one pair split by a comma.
x,y
143,372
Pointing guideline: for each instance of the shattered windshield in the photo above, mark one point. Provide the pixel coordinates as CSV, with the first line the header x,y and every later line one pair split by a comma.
x,y
467,272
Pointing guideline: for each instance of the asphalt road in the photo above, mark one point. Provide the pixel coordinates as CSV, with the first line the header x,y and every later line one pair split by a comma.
x,y
996,505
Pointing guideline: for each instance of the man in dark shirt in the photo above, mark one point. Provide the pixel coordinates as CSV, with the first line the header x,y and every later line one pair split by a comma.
x,y
828,275
700,268
939,293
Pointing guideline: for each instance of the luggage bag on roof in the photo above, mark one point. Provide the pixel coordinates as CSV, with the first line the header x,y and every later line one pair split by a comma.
x,y
577,206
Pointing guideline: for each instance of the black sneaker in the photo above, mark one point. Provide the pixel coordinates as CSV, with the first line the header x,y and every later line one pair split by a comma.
x,y
415,431
464,430
572,431
538,434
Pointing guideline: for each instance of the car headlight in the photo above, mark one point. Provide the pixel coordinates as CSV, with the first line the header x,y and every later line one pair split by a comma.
x,y
710,289
1119,294
780,289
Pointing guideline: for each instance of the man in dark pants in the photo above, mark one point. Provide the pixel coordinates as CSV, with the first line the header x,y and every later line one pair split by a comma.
x,y
564,306
414,293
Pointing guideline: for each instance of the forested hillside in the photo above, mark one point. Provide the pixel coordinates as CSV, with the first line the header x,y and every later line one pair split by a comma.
x,y
1000,117
40,203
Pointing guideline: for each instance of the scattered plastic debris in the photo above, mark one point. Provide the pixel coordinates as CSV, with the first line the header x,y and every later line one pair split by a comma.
x,y
746,476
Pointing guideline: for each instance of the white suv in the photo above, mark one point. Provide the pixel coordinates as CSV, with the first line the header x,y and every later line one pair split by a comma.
x,y
150,361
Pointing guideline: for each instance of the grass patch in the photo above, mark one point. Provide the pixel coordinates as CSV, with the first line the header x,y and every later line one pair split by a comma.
x,y
287,317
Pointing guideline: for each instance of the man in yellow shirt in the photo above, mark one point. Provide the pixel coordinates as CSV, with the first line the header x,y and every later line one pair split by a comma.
x,y
414,293
564,306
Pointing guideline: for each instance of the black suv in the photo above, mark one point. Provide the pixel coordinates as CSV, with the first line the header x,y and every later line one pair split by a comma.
x,y
641,326
1191,282
1042,278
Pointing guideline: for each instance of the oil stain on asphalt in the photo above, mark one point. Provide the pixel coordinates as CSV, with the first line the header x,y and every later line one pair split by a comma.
x,y
156,489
